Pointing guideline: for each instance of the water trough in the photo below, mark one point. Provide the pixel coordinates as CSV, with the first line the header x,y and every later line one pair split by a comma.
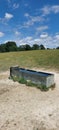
x,y
36,77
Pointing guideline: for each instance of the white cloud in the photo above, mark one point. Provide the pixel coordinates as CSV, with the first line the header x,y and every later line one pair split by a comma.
x,y
36,19
57,36
44,35
48,9
28,24
26,15
26,40
47,40
55,8
42,28
32,20
17,33
15,5
12,4
8,16
1,34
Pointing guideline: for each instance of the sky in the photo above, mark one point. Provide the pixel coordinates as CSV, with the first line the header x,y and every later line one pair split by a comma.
x,y
30,22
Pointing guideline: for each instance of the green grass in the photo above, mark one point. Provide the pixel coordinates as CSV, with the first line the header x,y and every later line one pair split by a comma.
x,y
30,59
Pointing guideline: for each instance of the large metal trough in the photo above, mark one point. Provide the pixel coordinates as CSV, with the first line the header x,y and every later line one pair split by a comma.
x,y
36,77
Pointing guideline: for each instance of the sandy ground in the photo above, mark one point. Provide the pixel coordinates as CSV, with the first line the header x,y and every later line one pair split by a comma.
x,y
27,108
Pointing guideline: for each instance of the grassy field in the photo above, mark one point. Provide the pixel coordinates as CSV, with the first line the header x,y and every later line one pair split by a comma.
x,y
48,59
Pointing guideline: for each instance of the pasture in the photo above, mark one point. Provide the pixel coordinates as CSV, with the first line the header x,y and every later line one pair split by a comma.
x,y
48,59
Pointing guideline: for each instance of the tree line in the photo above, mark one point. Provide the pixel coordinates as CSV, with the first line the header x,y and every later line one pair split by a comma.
x,y
11,46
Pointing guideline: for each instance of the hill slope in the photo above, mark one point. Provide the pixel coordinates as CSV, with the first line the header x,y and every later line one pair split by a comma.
x,y
30,59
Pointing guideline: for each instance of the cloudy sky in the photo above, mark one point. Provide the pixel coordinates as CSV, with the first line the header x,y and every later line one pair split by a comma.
x,y
30,22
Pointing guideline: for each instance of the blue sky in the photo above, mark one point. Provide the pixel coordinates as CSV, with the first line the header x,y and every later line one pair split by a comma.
x,y
30,22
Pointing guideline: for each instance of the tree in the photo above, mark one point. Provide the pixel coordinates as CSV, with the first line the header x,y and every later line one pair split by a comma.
x,y
27,47
11,46
21,48
57,47
41,47
35,47
48,48
2,48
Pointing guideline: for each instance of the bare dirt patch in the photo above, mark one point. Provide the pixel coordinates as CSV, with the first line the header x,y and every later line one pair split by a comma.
x,y
27,108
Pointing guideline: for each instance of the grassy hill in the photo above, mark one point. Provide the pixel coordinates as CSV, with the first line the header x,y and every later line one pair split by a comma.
x,y
30,59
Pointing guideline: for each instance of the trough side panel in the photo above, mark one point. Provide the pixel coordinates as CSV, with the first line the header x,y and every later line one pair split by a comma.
x,y
14,71
34,78
50,81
